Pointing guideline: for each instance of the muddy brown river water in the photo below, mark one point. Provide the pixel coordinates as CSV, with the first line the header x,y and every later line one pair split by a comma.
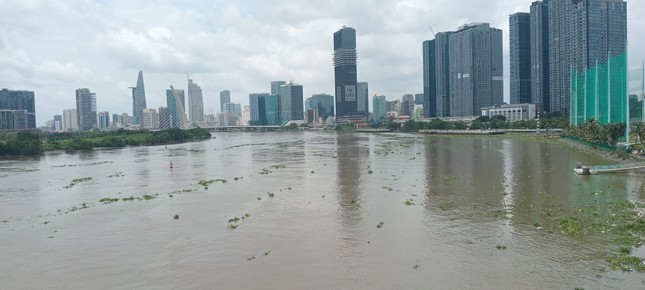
x,y
308,210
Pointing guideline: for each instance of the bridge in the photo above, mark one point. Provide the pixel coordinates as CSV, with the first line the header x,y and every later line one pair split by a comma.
x,y
244,128
618,167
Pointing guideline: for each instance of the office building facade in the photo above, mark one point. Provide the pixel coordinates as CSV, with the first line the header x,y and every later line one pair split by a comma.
x,y
363,99
70,120
379,105
86,109
291,103
539,27
224,98
257,109
20,101
345,72
324,104
195,103
429,79
520,57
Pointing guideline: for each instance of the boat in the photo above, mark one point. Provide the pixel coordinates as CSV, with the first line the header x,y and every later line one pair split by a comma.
x,y
584,170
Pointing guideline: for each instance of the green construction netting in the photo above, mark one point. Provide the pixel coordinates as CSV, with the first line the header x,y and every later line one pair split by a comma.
x,y
600,92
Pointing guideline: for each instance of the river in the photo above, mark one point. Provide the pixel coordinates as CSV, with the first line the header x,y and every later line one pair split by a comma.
x,y
307,210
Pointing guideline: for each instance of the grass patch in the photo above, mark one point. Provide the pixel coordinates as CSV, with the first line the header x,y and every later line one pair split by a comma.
x,y
77,181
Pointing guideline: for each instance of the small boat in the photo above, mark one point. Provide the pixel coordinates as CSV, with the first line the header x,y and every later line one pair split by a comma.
x,y
171,166
584,170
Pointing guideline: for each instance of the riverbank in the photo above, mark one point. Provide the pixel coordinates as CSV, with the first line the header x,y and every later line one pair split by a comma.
x,y
32,143
608,155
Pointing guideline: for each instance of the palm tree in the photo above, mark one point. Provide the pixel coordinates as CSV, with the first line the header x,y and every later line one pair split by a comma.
x,y
614,132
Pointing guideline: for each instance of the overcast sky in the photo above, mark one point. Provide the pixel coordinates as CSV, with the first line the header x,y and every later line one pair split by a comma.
x,y
55,47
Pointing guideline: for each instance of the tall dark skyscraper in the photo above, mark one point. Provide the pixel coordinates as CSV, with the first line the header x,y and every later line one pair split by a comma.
x,y
224,98
20,101
429,79
138,100
345,72
86,109
520,57
476,69
540,54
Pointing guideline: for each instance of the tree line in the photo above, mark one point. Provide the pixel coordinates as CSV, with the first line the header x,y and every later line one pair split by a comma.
x,y
35,143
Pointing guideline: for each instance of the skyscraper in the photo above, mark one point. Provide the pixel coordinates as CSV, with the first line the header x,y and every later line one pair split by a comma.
x,y
582,34
20,100
476,69
258,109
540,54
429,79
345,72
195,103
176,101
272,109
224,98
86,109
138,100
291,103
442,73
520,57
275,87
234,108
164,118
363,99
380,107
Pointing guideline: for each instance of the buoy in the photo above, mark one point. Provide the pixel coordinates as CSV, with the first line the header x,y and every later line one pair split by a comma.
x,y
171,166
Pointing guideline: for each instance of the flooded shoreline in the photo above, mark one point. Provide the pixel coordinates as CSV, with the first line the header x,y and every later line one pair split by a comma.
x,y
313,210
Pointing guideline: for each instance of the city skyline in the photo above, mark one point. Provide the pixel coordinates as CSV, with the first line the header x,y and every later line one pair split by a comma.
x,y
39,54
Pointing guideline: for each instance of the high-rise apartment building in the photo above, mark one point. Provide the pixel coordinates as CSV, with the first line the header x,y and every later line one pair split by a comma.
x,y
363,99
520,57
379,105
224,98
345,72
195,103
582,35
13,120
70,120
323,103
407,105
20,100
539,26
476,69
429,79
291,103
442,74
86,109
150,119
138,100
176,102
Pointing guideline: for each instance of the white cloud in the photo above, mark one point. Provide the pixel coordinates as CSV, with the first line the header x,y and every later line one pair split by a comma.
x,y
54,47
